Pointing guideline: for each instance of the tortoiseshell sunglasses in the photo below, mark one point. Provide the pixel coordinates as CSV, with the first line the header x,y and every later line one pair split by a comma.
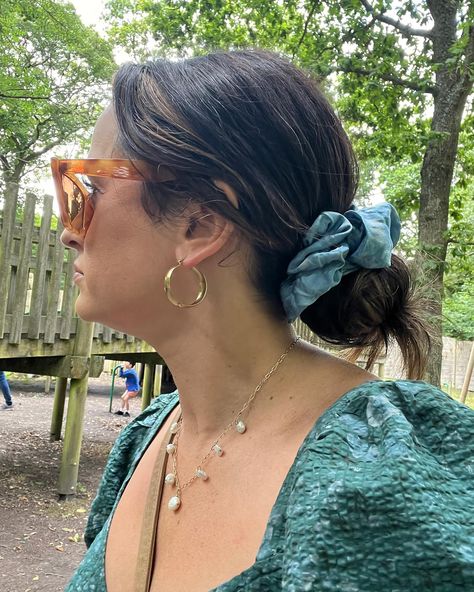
x,y
74,189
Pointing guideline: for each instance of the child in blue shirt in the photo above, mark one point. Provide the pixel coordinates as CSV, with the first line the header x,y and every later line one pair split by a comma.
x,y
132,385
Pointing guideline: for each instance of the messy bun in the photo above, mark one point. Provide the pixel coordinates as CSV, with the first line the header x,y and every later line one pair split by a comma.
x,y
261,125
371,308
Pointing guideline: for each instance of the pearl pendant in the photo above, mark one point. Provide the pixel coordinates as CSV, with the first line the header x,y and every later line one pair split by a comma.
x,y
217,450
174,427
201,474
170,479
240,426
170,448
174,503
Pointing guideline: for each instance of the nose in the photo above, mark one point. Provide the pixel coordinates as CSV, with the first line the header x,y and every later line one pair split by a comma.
x,y
72,240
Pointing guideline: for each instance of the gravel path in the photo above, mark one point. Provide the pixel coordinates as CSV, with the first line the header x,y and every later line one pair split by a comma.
x,y
40,537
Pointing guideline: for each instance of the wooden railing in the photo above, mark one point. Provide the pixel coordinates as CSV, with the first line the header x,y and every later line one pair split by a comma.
x,y
37,294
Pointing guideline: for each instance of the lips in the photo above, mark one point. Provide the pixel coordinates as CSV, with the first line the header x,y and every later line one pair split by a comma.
x,y
78,274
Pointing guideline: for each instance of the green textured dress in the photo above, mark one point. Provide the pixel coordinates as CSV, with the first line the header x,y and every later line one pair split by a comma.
x,y
379,498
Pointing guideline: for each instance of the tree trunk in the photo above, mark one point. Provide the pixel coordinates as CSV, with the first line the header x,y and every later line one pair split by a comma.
x,y
452,90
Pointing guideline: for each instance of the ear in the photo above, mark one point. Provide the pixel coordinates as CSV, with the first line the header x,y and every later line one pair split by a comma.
x,y
202,234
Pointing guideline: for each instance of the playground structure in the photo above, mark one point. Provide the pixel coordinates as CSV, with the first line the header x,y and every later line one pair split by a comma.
x,y
40,333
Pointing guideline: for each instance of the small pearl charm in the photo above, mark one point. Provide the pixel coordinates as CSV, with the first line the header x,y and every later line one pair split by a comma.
x,y
170,479
201,474
240,426
217,450
174,427
174,503
170,448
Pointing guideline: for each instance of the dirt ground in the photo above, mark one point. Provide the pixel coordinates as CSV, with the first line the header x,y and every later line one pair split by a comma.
x,y
41,539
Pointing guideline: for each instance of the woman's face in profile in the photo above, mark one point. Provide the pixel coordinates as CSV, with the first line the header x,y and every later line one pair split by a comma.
x,y
124,255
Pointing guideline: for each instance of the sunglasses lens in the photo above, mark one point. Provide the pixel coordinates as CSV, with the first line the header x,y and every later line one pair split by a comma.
x,y
76,210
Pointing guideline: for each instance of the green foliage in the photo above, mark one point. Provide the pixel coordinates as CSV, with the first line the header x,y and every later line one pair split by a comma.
x,y
381,92
458,313
377,60
52,71
458,304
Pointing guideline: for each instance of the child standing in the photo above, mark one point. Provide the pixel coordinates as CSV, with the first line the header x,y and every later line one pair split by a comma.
x,y
132,385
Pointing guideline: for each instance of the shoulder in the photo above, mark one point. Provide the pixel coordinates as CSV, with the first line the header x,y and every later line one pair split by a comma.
x,y
415,414
382,493
126,452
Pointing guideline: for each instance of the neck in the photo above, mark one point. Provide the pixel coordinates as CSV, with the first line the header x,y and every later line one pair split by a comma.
x,y
216,375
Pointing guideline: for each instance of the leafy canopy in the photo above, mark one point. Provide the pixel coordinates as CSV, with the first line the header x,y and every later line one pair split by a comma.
x,y
377,61
52,72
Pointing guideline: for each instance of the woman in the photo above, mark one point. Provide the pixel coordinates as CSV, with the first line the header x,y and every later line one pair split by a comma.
x,y
282,467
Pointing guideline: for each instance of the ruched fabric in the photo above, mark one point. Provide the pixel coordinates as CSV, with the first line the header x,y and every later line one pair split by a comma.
x,y
379,498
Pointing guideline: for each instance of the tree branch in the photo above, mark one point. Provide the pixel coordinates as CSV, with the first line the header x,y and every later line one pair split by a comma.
x,y
305,28
3,96
459,242
426,88
4,161
38,153
470,47
37,131
405,29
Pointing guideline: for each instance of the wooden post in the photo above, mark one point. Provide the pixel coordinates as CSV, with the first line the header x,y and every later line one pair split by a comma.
x,y
467,378
147,385
52,296
47,385
75,415
37,295
157,381
69,297
381,372
455,366
23,269
141,372
6,248
58,409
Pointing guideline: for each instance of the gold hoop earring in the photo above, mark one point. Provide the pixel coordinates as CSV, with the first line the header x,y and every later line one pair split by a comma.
x,y
202,287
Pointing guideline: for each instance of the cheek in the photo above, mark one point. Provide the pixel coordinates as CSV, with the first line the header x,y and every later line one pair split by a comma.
x,y
121,234
125,260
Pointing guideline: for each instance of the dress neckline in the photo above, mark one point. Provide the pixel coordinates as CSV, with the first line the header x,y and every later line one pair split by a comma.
x,y
269,532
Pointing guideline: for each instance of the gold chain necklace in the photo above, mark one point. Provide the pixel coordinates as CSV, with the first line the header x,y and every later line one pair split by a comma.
x,y
172,479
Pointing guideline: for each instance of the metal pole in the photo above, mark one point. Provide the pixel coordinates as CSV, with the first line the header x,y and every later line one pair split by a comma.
x,y
111,396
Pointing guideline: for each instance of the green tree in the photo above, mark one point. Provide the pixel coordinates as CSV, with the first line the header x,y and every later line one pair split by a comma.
x,y
52,72
388,63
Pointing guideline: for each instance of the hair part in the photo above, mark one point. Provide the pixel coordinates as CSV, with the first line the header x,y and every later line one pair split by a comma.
x,y
261,125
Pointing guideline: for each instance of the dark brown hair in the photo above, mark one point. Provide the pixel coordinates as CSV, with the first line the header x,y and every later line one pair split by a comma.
x,y
255,121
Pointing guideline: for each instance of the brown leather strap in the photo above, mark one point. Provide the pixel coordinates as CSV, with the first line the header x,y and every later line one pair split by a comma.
x,y
146,547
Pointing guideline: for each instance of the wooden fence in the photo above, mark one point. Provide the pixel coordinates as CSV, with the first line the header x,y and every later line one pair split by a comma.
x,y
37,294
38,325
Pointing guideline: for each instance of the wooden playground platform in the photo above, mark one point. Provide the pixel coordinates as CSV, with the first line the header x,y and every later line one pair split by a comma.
x,y
40,333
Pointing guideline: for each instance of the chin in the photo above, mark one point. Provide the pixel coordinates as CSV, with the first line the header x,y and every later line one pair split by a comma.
x,y
113,319
93,314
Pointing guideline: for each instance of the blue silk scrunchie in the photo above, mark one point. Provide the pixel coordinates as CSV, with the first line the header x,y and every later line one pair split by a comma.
x,y
335,245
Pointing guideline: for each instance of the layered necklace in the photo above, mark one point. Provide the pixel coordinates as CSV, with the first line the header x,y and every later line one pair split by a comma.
x,y
215,450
